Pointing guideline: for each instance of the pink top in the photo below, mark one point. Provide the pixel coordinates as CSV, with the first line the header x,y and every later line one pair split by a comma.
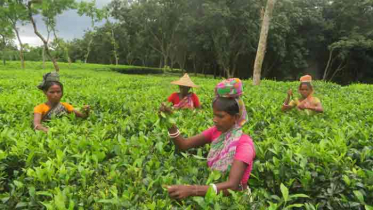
x,y
245,150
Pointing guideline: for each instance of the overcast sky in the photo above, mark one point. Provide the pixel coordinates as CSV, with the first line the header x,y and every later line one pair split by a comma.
x,y
69,26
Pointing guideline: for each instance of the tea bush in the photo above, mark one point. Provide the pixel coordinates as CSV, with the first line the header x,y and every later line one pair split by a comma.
x,y
121,156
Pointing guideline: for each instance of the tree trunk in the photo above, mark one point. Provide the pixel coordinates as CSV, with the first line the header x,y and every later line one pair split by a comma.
x,y
43,55
4,61
56,67
63,47
328,64
114,47
172,62
165,61
263,41
234,63
195,65
228,73
20,47
4,49
215,68
68,57
116,58
88,50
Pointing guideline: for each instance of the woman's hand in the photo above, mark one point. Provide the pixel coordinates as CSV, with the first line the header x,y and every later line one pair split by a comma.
x,y
164,108
86,109
302,106
181,191
84,113
44,129
305,105
286,106
290,92
40,127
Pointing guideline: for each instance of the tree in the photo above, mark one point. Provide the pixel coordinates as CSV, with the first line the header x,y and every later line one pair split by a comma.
x,y
96,15
63,45
49,9
111,34
356,51
220,37
156,21
6,36
228,30
14,11
263,41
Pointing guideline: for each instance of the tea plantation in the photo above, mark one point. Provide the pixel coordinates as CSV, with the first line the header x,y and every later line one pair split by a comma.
x,y
121,156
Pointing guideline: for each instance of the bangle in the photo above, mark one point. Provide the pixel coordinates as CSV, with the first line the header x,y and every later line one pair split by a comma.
x,y
195,190
215,188
174,135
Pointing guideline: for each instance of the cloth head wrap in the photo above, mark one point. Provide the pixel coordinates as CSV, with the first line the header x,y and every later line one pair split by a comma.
x,y
49,77
232,88
306,78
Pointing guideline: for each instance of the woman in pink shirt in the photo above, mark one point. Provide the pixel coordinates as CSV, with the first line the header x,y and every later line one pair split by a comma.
x,y
231,150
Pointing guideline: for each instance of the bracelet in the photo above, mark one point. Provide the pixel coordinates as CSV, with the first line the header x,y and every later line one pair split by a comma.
x,y
174,135
215,188
195,190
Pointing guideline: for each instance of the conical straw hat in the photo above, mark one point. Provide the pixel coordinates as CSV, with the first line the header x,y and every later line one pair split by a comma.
x,y
185,81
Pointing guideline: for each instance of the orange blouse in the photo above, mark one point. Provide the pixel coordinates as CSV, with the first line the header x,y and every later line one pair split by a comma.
x,y
44,108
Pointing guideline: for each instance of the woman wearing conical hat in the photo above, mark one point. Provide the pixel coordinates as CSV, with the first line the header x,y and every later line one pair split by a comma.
x,y
184,99
307,102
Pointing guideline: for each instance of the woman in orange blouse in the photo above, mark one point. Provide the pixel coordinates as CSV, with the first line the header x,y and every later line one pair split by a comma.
x,y
308,103
53,90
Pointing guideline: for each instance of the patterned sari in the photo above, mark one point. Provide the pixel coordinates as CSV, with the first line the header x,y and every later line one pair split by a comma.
x,y
185,103
223,149
310,100
57,111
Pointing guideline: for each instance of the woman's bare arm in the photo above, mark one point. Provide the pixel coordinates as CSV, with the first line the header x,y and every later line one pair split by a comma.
x,y
37,123
187,143
83,114
235,176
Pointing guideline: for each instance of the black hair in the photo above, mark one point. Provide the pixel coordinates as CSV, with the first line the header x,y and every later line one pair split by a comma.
x,y
306,83
228,105
47,85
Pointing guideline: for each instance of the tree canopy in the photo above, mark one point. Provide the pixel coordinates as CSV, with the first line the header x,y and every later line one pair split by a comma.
x,y
330,40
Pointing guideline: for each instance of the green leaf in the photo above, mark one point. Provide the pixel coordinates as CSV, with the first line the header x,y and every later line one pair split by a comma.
x,y
18,184
199,157
297,205
59,200
21,205
347,180
299,196
45,193
285,192
359,196
159,146
367,207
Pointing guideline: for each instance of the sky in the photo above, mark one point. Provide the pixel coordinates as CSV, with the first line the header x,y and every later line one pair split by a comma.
x,y
69,26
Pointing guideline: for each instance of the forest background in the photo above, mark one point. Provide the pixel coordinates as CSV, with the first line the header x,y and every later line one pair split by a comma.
x,y
331,40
